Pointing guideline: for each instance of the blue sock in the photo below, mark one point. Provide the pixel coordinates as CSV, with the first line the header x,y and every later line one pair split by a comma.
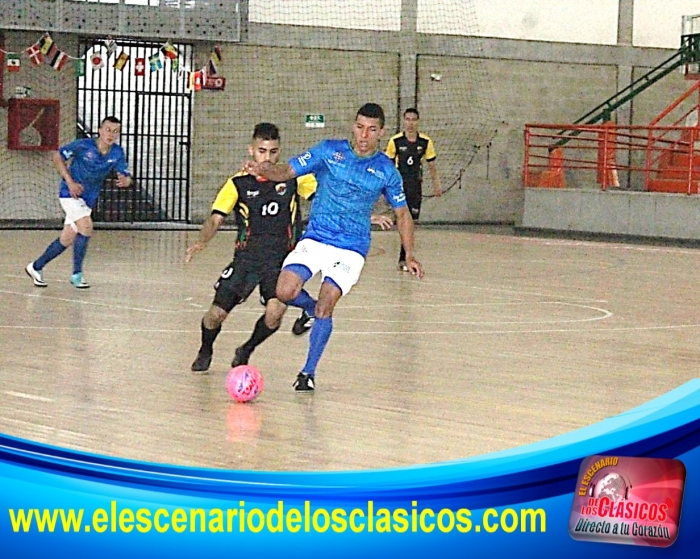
x,y
52,251
304,301
318,338
79,251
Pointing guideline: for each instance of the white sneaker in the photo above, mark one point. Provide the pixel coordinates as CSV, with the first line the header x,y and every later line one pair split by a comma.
x,y
36,275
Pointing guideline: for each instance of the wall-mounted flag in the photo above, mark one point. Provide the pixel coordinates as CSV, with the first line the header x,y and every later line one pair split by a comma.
x,y
13,62
154,61
111,47
79,67
215,61
59,60
121,61
140,67
169,51
45,43
35,55
97,61
196,80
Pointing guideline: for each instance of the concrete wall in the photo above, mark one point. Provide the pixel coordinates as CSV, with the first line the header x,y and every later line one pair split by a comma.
x,y
282,72
642,214
28,180
281,85
522,91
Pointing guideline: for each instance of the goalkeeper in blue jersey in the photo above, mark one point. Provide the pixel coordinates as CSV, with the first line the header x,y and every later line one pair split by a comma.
x,y
351,176
91,162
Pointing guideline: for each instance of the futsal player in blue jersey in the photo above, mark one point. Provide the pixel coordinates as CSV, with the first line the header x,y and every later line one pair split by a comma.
x,y
351,176
91,162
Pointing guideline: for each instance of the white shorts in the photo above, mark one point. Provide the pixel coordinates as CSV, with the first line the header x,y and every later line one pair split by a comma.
x,y
75,209
341,265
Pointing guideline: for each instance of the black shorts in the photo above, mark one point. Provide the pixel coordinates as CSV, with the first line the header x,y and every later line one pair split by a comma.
x,y
240,277
414,194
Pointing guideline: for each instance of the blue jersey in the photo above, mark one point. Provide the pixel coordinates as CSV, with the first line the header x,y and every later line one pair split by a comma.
x,y
90,168
348,187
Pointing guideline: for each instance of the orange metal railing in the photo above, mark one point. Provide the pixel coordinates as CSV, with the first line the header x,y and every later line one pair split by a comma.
x,y
661,157
645,158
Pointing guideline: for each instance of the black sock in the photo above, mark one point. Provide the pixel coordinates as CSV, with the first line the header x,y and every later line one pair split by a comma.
x,y
402,255
208,337
261,332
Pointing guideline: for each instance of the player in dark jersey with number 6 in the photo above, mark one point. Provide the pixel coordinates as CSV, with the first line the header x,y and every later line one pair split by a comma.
x,y
408,150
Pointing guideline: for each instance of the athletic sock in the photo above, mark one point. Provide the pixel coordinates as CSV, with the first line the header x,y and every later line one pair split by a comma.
x,y
318,338
52,251
304,301
402,254
208,337
260,333
79,250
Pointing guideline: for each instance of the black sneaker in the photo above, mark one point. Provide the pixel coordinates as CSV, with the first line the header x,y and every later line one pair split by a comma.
x,y
242,356
303,324
304,383
202,362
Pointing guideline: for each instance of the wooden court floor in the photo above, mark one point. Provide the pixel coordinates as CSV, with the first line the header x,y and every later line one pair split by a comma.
x,y
506,341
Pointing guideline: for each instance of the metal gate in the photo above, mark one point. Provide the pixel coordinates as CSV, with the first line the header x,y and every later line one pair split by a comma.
x,y
155,111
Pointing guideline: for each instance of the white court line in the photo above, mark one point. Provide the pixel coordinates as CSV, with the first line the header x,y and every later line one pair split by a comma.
x,y
482,304
371,306
97,303
28,396
387,333
606,245
605,313
461,283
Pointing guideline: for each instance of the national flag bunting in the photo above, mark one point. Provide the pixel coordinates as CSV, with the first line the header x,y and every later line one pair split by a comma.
x,y
111,46
121,61
59,60
140,67
154,61
215,61
35,55
169,51
79,67
174,64
196,80
97,61
211,68
13,62
45,43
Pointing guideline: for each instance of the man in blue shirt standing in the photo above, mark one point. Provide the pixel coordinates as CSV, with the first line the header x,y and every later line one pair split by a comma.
x,y
92,160
351,177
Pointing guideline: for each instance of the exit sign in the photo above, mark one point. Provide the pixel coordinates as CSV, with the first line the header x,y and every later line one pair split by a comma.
x,y
315,121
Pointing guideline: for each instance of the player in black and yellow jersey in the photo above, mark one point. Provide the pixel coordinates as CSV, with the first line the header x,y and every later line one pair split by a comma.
x,y
408,150
269,223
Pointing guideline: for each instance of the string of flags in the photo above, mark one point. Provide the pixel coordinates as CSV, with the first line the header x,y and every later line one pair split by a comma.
x,y
45,51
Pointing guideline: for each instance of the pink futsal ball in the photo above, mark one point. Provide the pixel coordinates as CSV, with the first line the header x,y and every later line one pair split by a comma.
x,y
244,383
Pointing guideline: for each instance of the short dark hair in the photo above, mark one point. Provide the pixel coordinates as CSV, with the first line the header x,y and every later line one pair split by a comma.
x,y
266,131
412,110
372,110
112,119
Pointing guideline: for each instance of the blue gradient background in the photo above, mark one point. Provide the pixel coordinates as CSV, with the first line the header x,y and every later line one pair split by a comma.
x,y
541,475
